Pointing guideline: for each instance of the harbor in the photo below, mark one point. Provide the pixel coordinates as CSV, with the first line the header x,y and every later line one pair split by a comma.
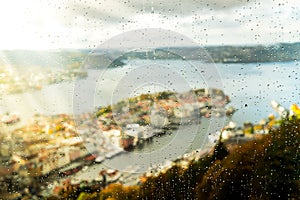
x,y
153,149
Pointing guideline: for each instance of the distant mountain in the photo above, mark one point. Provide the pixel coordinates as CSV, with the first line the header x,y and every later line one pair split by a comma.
x,y
239,54
245,54
280,52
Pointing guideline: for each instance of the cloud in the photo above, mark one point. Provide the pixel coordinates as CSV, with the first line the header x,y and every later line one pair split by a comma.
x,y
118,10
185,7
85,24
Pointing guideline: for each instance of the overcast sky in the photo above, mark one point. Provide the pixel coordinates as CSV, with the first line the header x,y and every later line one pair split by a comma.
x,y
52,24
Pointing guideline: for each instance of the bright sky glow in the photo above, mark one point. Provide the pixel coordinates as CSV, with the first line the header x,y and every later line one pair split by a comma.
x,y
40,24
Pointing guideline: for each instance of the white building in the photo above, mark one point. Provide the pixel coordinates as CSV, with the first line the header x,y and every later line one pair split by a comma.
x,y
137,131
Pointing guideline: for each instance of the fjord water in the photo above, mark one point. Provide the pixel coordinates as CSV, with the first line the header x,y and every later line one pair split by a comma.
x,y
251,87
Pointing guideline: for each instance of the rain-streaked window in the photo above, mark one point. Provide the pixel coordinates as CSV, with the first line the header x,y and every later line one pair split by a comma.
x,y
149,99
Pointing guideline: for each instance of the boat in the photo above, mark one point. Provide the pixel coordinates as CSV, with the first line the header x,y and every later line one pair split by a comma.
x,y
90,158
113,175
99,159
85,168
71,171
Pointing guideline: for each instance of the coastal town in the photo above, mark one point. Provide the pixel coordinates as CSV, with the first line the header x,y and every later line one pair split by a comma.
x,y
63,145
57,148
18,80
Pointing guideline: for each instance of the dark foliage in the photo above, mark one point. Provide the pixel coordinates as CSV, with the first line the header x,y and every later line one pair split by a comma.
x,y
266,168
262,169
